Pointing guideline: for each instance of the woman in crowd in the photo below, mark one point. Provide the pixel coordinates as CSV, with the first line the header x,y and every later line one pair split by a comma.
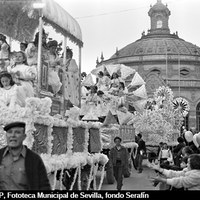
x,y
188,178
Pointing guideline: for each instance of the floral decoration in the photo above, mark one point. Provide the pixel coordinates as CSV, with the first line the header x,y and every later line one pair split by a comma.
x,y
182,105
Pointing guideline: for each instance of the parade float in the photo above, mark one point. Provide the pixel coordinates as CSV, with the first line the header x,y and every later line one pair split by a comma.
x,y
162,117
70,140
65,143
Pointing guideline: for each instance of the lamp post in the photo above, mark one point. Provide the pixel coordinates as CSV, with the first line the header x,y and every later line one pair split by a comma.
x,y
179,75
167,50
179,85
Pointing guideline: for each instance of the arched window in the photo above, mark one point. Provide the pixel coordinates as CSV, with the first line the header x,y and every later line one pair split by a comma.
x,y
198,117
156,71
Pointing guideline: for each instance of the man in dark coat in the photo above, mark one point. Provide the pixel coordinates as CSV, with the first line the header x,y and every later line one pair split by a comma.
x,y
118,159
20,168
141,151
178,150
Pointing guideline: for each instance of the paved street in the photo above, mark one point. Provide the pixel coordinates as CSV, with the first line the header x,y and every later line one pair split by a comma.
x,y
135,182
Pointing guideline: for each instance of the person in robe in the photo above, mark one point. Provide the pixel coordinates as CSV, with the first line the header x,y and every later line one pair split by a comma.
x,y
54,66
71,79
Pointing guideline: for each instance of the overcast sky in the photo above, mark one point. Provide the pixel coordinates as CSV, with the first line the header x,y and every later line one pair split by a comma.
x,y
107,24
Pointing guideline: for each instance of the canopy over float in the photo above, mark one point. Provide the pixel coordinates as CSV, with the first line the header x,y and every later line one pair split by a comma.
x,y
23,22
19,20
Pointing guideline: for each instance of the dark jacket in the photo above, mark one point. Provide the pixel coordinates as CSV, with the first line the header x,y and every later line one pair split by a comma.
x,y
141,146
178,148
124,156
35,171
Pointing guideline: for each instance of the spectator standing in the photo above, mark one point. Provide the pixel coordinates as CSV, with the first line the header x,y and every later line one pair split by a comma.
x,y
177,151
141,152
20,168
118,160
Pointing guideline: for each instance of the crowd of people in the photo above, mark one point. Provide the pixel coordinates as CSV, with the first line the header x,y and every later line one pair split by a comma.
x,y
19,71
178,167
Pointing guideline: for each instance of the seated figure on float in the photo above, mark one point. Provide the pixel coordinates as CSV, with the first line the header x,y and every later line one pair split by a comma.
x,y
32,49
103,104
23,76
115,82
8,90
122,95
103,83
90,105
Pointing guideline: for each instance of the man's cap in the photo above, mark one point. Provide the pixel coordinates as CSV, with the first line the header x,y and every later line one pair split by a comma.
x,y
14,124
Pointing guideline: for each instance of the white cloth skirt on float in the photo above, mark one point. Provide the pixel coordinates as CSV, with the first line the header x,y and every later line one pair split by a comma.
x,y
54,81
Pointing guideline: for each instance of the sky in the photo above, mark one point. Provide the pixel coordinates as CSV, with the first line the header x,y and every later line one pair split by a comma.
x,y
110,24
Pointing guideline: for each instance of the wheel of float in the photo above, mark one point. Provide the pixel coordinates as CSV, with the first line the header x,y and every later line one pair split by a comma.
x,y
109,175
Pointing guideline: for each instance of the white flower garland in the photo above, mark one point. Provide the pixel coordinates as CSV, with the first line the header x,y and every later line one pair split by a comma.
x,y
70,140
91,177
102,177
60,180
87,137
74,180
95,173
79,177
54,180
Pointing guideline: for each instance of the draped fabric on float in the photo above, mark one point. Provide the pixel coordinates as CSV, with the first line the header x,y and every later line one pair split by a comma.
x,y
95,140
40,139
60,138
79,139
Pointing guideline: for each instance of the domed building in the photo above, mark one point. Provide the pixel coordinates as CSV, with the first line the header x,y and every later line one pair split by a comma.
x,y
162,58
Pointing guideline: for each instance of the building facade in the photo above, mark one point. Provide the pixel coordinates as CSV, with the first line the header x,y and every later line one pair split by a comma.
x,y
162,58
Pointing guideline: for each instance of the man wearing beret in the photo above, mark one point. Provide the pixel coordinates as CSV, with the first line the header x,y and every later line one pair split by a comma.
x,y
20,168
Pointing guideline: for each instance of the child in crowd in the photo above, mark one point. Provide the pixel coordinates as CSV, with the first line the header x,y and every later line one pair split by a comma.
x,y
165,155
8,90
24,76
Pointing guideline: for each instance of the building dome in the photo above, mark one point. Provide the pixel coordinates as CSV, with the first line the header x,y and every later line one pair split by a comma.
x,y
162,58
158,44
